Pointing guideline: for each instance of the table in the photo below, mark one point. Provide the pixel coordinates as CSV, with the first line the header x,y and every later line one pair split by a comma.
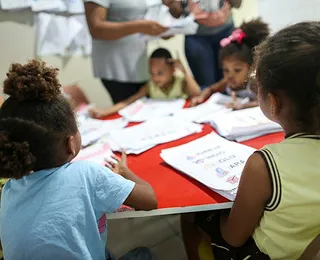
x,y
176,192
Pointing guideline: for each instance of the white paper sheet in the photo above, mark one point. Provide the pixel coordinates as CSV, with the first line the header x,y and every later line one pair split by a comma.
x,y
49,5
212,160
96,153
92,130
145,109
52,34
244,123
15,4
161,14
61,35
75,6
149,134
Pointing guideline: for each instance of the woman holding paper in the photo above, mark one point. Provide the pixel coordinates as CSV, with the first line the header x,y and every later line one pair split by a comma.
x,y
119,53
215,23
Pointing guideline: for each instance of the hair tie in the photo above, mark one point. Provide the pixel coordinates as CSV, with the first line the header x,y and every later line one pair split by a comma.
x,y
237,36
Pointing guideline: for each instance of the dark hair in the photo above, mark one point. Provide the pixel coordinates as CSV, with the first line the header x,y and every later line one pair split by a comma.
x,y
256,31
35,120
289,62
161,53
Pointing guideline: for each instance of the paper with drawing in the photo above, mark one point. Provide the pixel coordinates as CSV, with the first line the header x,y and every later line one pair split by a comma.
x,y
212,160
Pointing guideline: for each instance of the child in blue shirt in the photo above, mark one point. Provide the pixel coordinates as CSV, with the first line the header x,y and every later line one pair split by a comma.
x,y
52,208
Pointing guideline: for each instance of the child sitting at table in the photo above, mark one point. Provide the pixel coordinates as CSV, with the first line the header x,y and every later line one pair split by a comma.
x,y
165,83
276,213
236,57
52,208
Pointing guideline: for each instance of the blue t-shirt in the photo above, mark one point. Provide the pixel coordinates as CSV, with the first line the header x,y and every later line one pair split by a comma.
x,y
60,213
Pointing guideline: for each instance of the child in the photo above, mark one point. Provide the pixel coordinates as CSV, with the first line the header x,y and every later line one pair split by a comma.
x,y
276,213
164,84
1,100
236,57
52,208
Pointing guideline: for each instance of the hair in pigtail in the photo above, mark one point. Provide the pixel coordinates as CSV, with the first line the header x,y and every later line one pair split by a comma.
x,y
242,41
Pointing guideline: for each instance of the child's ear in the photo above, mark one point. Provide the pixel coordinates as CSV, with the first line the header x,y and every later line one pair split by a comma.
x,y
275,104
71,145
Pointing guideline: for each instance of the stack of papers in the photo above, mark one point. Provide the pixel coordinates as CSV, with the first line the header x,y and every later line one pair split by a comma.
x,y
145,109
139,138
160,13
211,160
245,124
205,112
92,130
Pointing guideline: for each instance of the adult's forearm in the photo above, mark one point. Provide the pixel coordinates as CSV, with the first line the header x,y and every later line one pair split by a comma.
x,y
114,30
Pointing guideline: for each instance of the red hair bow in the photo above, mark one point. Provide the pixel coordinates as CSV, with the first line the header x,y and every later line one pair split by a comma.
x,y
237,36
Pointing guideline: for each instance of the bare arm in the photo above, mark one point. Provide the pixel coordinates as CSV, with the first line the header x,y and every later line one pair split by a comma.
x,y
253,193
1,100
217,87
142,196
99,113
105,30
191,87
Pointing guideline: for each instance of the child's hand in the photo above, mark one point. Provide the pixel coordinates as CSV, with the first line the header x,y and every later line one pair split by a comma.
x,y
117,165
98,112
177,65
196,101
235,104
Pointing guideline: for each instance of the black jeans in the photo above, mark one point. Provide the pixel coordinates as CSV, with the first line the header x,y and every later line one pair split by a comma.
x,y
121,90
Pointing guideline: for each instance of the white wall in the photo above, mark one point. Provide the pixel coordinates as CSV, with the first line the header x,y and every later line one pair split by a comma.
x,y
280,13
18,45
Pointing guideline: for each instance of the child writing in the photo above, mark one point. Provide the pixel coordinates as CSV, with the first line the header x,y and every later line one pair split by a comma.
x,y
52,208
236,57
164,84
276,213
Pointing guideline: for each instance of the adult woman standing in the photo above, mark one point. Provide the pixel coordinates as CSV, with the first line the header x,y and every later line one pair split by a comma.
x,y
119,53
202,49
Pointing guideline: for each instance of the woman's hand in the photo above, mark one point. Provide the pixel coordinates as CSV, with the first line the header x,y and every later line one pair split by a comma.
x,y
152,28
117,165
213,19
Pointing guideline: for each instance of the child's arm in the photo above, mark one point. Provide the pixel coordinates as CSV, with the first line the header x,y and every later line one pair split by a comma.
x,y
191,87
236,105
206,93
1,100
103,112
253,193
142,196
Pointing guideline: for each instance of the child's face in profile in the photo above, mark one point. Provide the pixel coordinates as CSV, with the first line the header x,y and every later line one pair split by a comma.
x,y
161,72
236,72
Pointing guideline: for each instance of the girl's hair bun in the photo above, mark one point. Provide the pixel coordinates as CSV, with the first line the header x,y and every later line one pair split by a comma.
x,y
32,81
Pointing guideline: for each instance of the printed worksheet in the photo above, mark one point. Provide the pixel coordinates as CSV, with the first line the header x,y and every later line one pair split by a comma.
x,y
245,123
147,109
96,153
92,130
151,133
212,160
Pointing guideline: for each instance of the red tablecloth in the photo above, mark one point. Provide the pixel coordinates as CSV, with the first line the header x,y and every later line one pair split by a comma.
x,y
175,189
